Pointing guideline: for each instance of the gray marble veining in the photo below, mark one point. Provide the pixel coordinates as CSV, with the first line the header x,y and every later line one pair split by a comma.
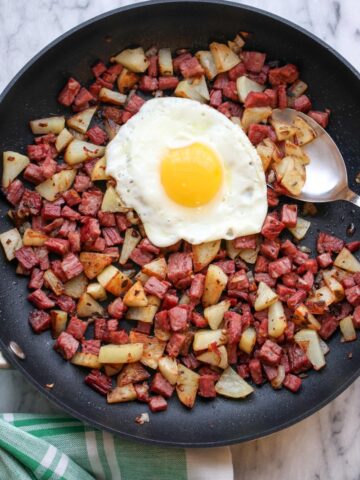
x,y
324,446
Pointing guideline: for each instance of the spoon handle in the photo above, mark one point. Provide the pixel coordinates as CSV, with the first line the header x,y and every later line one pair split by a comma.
x,y
351,196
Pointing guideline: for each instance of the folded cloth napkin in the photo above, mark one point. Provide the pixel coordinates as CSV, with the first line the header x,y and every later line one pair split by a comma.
x,y
60,447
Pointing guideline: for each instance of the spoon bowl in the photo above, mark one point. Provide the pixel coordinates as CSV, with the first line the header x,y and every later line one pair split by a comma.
x,y
326,175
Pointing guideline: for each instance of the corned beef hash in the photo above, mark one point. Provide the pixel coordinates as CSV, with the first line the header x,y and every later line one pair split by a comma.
x,y
148,223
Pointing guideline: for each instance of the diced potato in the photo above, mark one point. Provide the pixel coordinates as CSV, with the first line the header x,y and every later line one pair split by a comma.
x,y
58,322
99,171
79,151
215,283
63,140
112,369
334,285
125,353
204,253
127,393
133,59
157,268
32,238
142,277
114,281
204,338
231,251
76,286
165,62
43,126
304,132
280,377
324,294
132,238
277,320
58,183
248,340
184,299
110,96
216,359
294,178
13,164
309,341
187,386
87,360
126,80
169,369
87,306
193,88
297,89
265,297
293,150
224,58
11,241
254,115
347,329
283,131
249,255
112,202
143,314
304,318
300,229
232,385
136,297
161,334
215,313
133,217
97,291
347,261
94,263
265,152
52,282
245,85
81,120
237,44
132,373
153,348
207,62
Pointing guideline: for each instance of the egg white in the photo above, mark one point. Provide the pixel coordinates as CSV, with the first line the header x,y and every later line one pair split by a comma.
x,y
134,157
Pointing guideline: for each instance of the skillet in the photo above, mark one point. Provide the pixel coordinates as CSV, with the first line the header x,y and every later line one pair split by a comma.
x,y
32,94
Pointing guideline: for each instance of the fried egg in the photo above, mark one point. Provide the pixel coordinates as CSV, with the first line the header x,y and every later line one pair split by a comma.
x,y
189,173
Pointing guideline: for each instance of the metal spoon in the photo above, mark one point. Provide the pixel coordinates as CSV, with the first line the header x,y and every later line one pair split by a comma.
x,y
326,175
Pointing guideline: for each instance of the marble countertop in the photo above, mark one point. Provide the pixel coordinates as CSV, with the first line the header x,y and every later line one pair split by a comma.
x,y
324,446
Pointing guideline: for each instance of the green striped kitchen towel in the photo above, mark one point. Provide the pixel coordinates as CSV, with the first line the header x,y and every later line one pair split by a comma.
x,y
60,447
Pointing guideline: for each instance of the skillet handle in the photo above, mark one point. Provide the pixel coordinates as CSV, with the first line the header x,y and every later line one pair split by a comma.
x,y
350,196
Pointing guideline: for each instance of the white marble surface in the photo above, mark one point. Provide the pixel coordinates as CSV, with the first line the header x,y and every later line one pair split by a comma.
x,y
324,446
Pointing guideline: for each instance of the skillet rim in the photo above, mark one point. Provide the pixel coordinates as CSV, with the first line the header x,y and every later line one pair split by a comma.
x,y
19,363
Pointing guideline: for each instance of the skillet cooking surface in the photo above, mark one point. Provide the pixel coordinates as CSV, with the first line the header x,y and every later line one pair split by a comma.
x,y
32,94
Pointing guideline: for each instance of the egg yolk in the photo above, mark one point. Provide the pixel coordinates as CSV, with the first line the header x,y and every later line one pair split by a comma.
x,y
191,175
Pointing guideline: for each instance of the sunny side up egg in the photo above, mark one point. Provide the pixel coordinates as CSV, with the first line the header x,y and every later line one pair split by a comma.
x,y
189,173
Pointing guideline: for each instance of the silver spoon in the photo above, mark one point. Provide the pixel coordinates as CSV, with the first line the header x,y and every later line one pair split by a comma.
x,y
326,175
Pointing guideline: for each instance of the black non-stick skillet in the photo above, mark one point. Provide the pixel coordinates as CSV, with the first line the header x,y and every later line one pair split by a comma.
x,y
32,94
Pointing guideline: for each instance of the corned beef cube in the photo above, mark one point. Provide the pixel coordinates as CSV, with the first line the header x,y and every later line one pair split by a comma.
x,y
142,392
39,321
175,344
30,203
91,202
48,168
33,174
207,386
90,346
100,328
237,71
272,228
280,267
148,84
153,66
197,286
146,246
119,337
157,404
227,266
66,303
257,133
83,97
302,103
98,381
90,231
161,386
67,95
178,317
98,246
270,372
353,295
233,326
76,328
168,83
286,74
329,325
43,257
265,277
322,118
134,103
261,265
328,243
57,245
70,214
121,221
156,287
53,226
14,192
254,61
112,236
289,215
296,299
71,265
71,197
230,91
255,371
298,359
97,135
292,382
37,279
190,67
198,320
98,69
140,257
282,97
106,219
40,300
324,260
170,300
270,353
180,268
257,99
26,257
248,241
116,308
143,327
216,98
